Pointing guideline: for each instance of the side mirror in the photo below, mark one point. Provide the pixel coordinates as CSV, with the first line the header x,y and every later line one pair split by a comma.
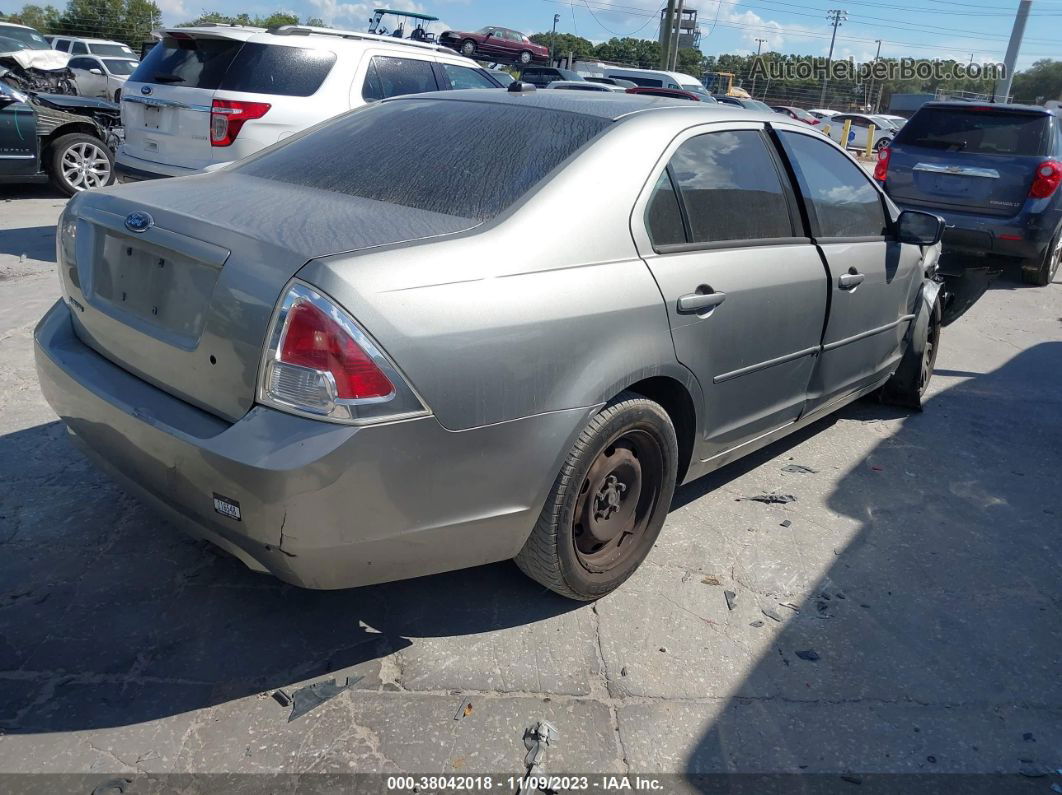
x,y
95,71
922,229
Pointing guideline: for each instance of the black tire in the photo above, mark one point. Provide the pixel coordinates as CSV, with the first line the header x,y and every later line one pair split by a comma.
x,y
908,384
1042,273
630,453
525,57
468,48
66,150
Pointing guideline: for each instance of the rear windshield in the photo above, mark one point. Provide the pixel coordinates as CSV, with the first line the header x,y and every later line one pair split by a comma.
x,y
978,131
21,38
466,159
231,65
116,50
119,66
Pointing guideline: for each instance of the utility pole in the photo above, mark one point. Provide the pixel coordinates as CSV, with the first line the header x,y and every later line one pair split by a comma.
x,y
836,16
870,92
759,44
1016,34
678,36
665,34
553,37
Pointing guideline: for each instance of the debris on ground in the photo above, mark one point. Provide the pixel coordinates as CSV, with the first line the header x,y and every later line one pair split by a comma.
x,y
464,710
799,469
771,614
282,697
114,786
808,654
791,606
537,738
785,523
731,599
757,623
312,696
769,499
1028,737
1030,769
623,671
711,579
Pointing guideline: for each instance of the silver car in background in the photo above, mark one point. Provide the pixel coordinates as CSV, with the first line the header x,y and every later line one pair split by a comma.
x,y
385,348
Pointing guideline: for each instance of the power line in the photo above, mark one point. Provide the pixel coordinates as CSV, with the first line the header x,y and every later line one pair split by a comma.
x,y
614,33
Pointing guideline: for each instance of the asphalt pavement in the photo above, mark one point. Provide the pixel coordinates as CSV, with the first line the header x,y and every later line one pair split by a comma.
x,y
901,615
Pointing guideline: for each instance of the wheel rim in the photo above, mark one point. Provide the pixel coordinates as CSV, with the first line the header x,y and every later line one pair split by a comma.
x,y
929,355
85,166
525,57
1056,258
468,48
616,501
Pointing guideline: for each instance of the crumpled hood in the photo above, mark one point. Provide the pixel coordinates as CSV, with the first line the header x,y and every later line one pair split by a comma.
x,y
45,60
74,104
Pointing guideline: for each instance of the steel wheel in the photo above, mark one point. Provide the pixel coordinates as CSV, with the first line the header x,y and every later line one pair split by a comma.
x,y
85,165
468,48
525,57
616,500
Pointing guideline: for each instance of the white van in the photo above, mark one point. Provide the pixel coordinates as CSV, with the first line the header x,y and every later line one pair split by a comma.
x,y
212,94
648,78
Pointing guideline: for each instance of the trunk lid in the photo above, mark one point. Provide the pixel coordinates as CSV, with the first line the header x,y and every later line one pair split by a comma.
x,y
185,304
977,159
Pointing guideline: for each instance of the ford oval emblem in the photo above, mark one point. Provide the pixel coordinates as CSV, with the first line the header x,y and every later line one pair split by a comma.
x,y
139,222
145,90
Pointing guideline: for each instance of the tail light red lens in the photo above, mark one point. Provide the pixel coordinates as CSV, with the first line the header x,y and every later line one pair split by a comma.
x,y
320,363
315,341
881,168
1048,176
227,117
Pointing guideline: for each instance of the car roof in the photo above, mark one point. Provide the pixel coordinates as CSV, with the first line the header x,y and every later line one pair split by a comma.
x,y
612,105
1003,106
16,25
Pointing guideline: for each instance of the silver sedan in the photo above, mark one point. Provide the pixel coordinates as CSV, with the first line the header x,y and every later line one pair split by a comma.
x,y
385,348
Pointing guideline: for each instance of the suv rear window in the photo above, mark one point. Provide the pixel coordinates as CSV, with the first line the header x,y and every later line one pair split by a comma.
x,y
231,65
977,131
438,155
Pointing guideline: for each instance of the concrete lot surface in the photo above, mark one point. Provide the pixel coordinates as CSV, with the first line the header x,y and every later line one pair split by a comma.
x,y
901,616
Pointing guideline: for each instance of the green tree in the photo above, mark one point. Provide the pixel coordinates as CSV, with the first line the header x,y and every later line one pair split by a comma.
x,y
275,19
1039,83
565,43
43,19
140,18
691,62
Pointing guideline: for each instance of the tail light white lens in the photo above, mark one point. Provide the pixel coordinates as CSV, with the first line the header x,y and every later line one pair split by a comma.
x,y
1048,176
881,168
320,363
227,117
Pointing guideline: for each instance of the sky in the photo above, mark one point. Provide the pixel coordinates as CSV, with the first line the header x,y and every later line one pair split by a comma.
x,y
959,29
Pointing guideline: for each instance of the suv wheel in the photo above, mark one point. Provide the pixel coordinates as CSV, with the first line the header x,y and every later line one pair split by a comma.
x,y
608,503
78,162
525,57
468,48
1044,272
908,384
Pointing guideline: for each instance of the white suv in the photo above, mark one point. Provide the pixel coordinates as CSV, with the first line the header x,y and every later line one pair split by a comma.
x,y
102,47
208,95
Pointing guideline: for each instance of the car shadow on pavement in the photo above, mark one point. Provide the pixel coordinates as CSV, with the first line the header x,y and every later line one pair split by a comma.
x,y
929,640
110,616
34,242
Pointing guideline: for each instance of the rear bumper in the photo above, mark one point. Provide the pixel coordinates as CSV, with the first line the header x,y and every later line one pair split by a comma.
x,y
134,169
1024,236
321,505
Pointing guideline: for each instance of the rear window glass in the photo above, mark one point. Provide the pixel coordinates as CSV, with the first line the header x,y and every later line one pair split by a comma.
x,y
192,62
119,66
117,50
437,155
234,66
977,131
270,69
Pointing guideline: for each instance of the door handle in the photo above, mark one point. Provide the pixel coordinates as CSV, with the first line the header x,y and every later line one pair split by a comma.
x,y
698,302
850,280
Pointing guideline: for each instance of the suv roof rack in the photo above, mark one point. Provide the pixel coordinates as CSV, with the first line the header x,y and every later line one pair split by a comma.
x,y
306,30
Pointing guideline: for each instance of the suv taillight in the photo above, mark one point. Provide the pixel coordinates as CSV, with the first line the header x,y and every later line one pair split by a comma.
x,y
1048,176
881,168
227,117
320,363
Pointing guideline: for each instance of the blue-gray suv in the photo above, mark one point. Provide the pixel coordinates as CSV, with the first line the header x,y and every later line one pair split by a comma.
x,y
992,171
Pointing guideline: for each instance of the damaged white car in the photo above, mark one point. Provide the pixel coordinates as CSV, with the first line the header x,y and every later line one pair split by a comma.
x,y
31,63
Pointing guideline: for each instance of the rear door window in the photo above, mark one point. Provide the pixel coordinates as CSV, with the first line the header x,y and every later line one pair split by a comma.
x,y
79,48
731,188
392,77
193,62
663,218
838,193
271,69
977,131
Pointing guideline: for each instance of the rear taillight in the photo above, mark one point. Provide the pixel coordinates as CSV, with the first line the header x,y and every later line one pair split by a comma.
x,y
319,362
881,168
227,117
1048,175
